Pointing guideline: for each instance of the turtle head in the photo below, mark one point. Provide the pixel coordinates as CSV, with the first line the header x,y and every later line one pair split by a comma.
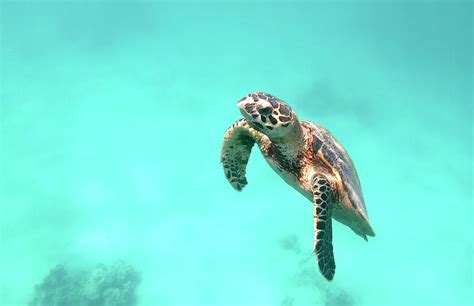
x,y
268,114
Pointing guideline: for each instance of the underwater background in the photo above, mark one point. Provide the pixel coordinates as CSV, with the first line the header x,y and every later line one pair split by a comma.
x,y
112,117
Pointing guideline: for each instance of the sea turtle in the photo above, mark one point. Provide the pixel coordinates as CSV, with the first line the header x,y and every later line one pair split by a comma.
x,y
308,158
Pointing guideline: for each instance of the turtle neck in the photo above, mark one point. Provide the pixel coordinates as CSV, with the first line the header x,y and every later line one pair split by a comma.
x,y
289,147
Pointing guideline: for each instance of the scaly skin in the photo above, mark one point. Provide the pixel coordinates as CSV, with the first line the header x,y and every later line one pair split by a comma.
x,y
303,154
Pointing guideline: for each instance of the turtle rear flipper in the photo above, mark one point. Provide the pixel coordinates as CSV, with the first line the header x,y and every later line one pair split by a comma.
x,y
238,143
323,226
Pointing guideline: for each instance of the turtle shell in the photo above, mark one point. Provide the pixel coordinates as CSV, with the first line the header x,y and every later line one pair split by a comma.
x,y
352,211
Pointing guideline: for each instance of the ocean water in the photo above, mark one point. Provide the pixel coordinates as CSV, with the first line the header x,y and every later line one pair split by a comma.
x,y
112,117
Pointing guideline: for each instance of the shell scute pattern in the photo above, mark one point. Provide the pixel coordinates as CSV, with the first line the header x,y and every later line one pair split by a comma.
x,y
317,144
308,157
341,162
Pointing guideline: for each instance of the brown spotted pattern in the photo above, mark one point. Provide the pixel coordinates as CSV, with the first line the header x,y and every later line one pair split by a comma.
x,y
323,226
265,112
238,142
308,158
337,158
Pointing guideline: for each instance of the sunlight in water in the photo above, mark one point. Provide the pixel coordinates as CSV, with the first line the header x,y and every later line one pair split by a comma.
x,y
112,119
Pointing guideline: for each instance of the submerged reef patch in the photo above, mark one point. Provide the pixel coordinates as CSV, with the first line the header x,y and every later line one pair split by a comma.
x,y
287,301
307,278
290,243
112,285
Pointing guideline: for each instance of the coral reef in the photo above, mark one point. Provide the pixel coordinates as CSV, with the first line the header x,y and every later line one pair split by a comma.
x,y
338,297
290,243
103,285
287,301
307,276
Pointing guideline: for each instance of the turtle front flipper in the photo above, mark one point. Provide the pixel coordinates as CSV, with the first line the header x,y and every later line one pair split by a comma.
x,y
322,201
238,142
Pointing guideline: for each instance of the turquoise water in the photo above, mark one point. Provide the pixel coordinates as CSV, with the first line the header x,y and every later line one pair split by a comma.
x,y
112,117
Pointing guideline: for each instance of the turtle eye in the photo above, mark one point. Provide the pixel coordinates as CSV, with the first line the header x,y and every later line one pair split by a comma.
x,y
265,111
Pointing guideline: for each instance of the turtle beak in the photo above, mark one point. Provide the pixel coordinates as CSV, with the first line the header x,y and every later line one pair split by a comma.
x,y
241,105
